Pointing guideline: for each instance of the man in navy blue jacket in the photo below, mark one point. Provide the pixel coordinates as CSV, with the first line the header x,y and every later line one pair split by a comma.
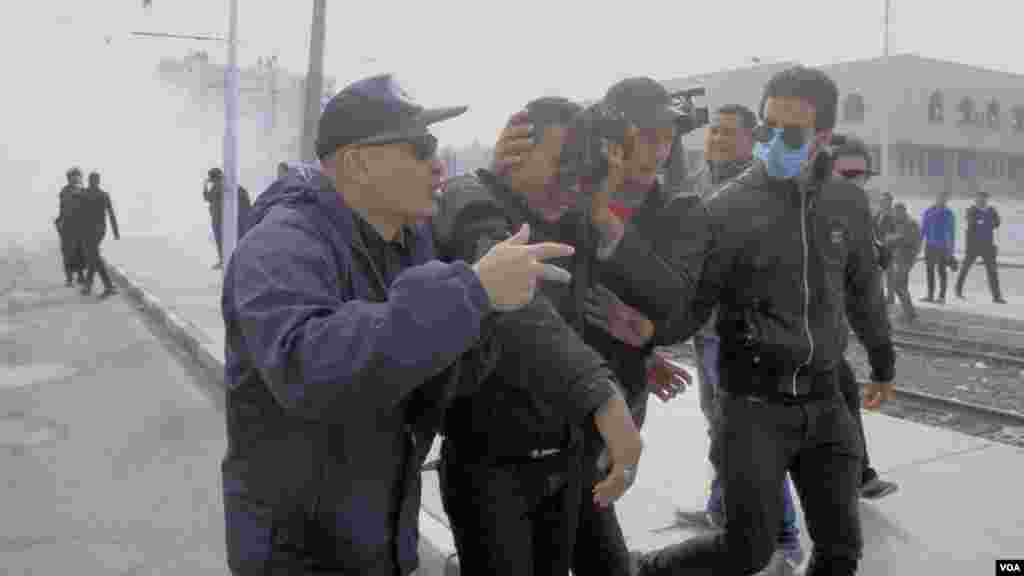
x,y
340,328
982,221
938,227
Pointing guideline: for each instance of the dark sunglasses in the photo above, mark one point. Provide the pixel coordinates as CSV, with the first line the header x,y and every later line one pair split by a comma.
x,y
793,137
424,146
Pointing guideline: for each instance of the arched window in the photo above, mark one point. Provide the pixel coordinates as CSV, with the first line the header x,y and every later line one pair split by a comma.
x,y
853,108
936,108
966,111
992,115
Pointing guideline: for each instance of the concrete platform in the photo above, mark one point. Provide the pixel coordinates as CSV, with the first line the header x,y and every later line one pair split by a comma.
x,y
957,511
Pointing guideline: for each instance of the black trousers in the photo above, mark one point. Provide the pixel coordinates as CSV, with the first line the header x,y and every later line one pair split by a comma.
x,y
95,264
217,223
988,256
757,443
936,260
850,389
511,519
73,254
600,544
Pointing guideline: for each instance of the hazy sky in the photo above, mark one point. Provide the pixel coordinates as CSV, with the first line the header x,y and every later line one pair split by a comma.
x,y
70,97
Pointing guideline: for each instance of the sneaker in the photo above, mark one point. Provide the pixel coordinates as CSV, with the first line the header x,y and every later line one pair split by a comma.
x,y
108,292
86,290
960,295
941,300
928,299
999,300
876,488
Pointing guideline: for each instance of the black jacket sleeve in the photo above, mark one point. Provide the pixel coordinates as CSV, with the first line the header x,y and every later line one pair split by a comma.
x,y
536,333
865,305
669,269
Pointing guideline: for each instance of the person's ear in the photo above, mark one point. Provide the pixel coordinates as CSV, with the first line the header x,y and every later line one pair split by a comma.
x,y
355,164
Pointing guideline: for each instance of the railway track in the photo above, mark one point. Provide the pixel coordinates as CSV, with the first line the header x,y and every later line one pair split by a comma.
x,y
934,342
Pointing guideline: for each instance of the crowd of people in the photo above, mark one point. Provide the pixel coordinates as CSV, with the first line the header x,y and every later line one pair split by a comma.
x,y
366,313
82,225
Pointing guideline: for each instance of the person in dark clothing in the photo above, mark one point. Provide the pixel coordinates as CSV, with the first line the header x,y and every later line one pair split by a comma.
x,y
883,227
96,207
69,228
938,227
513,500
342,334
782,224
904,242
982,221
213,194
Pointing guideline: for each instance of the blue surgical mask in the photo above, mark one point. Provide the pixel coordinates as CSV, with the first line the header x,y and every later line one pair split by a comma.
x,y
781,161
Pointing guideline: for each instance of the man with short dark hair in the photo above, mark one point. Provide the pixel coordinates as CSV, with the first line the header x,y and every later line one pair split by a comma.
x,y
728,152
213,194
779,226
982,221
513,498
96,208
938,227
69,227
341,332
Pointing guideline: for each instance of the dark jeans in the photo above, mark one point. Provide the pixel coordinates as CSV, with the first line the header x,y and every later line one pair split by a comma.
x,y
988,256
600,544
509,519
758,441
899,283
94,263
936,259
850,389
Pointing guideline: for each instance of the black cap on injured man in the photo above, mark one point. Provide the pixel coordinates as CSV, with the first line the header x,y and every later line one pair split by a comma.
x,y
375,110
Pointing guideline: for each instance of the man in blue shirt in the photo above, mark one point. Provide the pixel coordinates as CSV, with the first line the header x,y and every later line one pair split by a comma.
x,y
982,221
938,227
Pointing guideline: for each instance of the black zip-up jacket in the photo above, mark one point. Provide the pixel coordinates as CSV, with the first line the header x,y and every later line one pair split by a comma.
x,y
981,226
782,262
545,381
96,209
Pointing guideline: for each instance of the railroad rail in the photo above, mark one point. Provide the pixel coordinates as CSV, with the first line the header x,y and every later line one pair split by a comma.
x,y
952,405
993,352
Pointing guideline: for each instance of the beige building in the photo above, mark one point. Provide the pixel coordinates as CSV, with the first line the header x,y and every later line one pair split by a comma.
x,y
951,127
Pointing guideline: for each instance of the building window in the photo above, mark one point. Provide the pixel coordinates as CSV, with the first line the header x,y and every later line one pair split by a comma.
x,y
966,111
853,109
1018,119
992,115
936,163
936,108
968,166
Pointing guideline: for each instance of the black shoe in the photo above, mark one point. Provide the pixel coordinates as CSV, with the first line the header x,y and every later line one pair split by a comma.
x,y
928,299
876,488
999,300
86,290
218,266
108,292
960,295
69,283
941,300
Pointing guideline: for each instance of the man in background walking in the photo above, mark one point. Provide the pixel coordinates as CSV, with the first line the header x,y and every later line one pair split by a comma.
x,y
939,230
96,207
982,221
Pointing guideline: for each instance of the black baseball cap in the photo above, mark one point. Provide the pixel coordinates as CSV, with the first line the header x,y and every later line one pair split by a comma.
x,y
644,102
375,110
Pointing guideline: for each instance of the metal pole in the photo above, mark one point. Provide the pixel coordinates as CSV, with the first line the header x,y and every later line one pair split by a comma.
x,y
229,223
884,169
314,80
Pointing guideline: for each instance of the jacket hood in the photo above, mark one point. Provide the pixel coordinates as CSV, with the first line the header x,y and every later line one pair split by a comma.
x,y
304,184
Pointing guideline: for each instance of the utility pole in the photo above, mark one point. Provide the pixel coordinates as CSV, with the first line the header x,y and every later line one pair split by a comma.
x,y
229,222
314,80
884,169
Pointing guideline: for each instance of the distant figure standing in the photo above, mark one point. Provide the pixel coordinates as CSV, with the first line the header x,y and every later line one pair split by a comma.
x,y
96,207
904,243
883,227
938,227
282,170
213,193
982,221
69,227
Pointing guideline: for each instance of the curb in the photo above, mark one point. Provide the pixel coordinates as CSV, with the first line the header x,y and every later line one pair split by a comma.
x,y
436,544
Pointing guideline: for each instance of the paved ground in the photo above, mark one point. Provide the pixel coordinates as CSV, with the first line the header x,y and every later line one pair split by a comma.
x,y
110,455
956,513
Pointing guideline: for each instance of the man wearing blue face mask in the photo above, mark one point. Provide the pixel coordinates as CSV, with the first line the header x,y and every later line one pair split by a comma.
x,y
784,253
